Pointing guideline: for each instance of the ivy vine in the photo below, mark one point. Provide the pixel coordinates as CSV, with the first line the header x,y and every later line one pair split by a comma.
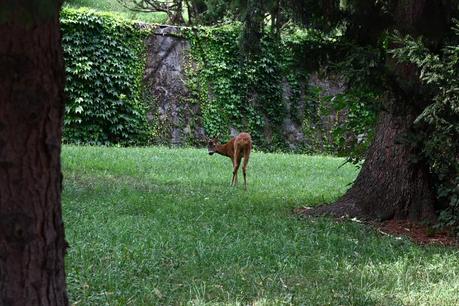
x,y
105,60
242,93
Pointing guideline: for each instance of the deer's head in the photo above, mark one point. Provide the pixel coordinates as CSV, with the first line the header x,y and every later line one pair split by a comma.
x,y
212,146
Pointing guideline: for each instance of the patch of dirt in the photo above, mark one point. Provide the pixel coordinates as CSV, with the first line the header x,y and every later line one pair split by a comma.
x,y
418,233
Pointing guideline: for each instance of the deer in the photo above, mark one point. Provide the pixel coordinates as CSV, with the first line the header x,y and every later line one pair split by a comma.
x,y
238,147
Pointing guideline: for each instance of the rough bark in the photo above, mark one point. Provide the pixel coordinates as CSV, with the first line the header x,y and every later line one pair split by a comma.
x,y
390,185
32,243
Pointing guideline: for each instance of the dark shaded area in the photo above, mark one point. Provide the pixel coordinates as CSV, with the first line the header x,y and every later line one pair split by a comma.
x,y
32,244
391,185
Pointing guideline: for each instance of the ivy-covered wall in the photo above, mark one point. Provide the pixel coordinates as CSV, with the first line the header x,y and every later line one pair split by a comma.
x,y
176,119
138,84
262,95
204,87
104,59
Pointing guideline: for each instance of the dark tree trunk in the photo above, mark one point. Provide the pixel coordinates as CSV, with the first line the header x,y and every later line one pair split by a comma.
x,y
390,185
32,244
176,16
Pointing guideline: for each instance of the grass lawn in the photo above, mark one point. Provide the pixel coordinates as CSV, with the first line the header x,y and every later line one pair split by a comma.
x,y
115,7
158,226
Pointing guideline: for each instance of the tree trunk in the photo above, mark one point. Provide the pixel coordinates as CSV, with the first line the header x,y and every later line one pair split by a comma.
x,y
32,243
390,185
176,15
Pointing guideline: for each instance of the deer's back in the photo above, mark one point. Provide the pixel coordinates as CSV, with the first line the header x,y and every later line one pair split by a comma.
x,y
243,140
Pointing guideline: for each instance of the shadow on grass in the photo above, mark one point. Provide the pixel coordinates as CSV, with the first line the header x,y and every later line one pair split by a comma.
x,y
197,242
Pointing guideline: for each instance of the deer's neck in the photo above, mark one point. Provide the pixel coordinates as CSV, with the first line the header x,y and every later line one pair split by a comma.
x,y
224,149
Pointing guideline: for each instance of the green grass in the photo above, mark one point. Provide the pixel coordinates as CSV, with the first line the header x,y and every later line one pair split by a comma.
x,y
115,7
158,226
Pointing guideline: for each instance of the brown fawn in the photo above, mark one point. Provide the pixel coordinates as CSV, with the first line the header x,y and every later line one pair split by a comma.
x,y
238,147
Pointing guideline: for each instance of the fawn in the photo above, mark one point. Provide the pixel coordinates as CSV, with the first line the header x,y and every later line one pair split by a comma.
x,y
238,147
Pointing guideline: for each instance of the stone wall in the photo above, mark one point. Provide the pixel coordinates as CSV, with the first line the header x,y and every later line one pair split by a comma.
x,y
179,122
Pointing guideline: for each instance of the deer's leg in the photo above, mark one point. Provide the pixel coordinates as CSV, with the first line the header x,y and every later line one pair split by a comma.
x,y
235,171
236,163
244,167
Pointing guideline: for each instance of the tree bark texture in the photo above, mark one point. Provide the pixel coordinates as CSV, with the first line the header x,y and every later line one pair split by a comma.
x,y
390,185
32,243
